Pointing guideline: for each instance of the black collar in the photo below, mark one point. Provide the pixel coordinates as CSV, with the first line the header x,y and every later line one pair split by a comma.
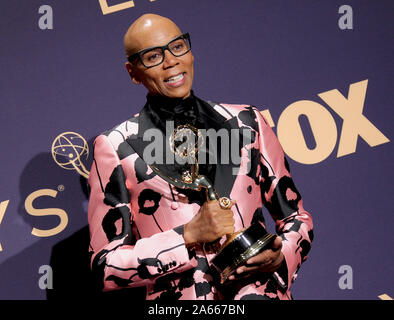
x,y
208,116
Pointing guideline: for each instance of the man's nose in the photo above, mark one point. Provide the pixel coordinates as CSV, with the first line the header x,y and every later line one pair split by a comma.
x,y
169,59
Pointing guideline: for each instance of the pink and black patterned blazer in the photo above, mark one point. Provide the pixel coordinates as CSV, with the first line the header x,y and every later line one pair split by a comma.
x,y
136,218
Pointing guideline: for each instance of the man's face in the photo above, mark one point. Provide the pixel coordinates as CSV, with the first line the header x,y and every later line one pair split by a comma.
x,y
174,77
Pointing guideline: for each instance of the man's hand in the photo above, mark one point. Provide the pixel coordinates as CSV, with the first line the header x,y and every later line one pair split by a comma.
x,y
267,261
210,223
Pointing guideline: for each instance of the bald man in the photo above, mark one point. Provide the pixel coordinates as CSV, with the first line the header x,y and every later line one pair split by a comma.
x,y
147,232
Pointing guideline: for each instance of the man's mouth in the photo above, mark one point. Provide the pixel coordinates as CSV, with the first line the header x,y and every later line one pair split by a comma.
x,y
175,79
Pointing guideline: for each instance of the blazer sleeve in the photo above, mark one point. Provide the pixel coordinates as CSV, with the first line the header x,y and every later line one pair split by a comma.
x,y
283,201
118,259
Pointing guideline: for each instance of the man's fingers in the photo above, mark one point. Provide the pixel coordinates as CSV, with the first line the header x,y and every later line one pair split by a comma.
x,y
261,258
237,276
267,255
266,261
277,245
244,269
228,230
259,263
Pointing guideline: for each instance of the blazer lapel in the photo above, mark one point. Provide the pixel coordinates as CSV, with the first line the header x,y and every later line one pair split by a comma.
x,y
219,117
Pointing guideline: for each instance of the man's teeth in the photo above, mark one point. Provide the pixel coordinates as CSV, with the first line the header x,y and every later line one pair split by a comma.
x,y
176,78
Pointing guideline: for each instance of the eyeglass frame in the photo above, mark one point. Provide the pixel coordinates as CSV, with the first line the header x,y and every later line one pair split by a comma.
x,y
139,54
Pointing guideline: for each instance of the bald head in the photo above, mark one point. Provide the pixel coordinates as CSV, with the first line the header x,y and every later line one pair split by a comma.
x,y
147,31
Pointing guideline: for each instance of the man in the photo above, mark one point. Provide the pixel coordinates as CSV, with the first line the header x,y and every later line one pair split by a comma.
x,y
146,232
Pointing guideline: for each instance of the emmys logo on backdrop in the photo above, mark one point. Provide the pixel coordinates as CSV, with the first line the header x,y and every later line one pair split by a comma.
x,y
68,149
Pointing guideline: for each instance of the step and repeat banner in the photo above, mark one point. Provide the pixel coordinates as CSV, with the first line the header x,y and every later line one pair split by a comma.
x,y
320,71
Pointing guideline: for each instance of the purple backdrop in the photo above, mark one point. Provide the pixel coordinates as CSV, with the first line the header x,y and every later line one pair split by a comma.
x,y
266,53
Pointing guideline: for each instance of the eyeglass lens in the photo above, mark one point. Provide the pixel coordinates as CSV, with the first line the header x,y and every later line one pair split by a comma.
x,y
155,56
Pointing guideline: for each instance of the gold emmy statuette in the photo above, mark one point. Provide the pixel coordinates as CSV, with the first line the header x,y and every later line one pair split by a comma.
x,y
67,150
239,246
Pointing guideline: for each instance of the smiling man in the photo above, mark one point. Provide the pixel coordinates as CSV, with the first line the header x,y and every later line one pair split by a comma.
x,y
148,232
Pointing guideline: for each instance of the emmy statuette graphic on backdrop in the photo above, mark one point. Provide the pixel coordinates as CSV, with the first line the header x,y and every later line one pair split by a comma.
x,y
67,150
239,246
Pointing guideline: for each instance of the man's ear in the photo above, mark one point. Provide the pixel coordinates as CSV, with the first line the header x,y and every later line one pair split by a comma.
x,y
132,73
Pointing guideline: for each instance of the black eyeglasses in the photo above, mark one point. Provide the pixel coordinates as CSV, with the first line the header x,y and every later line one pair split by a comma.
x,y
154,56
